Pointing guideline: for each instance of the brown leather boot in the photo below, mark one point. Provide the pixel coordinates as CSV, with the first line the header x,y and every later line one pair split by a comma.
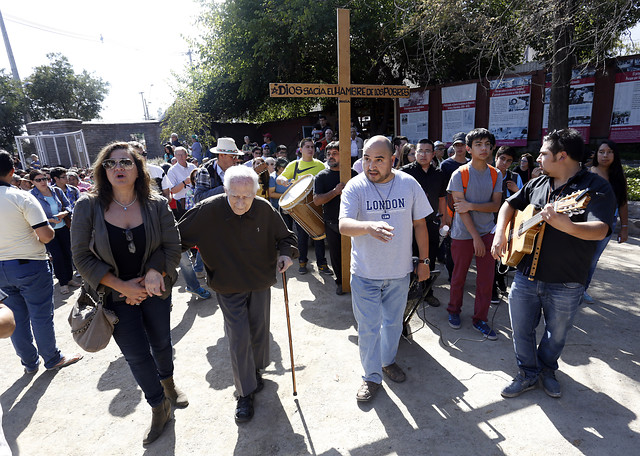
x,y
160,415
177,397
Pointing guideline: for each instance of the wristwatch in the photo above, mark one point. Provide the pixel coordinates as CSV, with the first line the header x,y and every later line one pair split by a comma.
x,y
425,261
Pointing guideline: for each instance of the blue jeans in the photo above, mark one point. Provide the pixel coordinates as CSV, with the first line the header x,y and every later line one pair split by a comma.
x,y
602,244
29,287
60,250
143,334
186,268
378,306
528,301
198,265
303,247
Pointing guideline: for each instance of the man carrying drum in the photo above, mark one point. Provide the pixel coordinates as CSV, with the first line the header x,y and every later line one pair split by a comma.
x,y
326,192
306,165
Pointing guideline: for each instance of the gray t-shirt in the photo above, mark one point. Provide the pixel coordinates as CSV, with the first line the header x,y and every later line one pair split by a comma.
x,y
398,202
480,189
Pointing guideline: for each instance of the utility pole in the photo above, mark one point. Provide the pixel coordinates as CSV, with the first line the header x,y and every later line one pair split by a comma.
x,y
14,70
145,111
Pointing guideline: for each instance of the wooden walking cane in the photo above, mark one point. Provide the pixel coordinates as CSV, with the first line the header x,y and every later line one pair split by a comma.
x,y
286,306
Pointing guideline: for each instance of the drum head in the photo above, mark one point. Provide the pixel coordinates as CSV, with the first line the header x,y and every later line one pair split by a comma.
x,y
297,191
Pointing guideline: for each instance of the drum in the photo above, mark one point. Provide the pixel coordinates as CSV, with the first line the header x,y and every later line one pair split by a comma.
x,y
298,201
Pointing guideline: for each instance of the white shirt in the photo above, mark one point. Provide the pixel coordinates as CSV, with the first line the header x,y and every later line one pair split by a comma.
x,y
20,211
156,172
178,173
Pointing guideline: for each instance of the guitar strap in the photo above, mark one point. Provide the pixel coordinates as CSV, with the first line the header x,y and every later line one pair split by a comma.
x,y
536,253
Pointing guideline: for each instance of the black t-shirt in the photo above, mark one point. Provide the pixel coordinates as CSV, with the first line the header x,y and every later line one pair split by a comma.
x,y
449,166
433,182
129,264
565,258
325,181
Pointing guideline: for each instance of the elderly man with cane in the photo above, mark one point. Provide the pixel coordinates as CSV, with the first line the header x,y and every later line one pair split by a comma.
x,y
246,240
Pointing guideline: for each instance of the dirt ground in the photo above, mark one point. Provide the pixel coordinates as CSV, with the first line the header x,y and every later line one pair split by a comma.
x,y
449,405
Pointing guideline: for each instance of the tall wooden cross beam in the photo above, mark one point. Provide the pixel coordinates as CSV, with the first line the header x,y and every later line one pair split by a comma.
x,y
343,91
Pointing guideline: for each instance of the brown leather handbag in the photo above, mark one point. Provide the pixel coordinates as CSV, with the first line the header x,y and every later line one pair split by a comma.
x,y
91,324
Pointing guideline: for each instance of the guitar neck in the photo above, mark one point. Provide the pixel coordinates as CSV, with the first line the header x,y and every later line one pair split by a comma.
x,y
530,223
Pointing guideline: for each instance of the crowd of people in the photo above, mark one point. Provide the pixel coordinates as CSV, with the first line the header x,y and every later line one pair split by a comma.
x,y
126,227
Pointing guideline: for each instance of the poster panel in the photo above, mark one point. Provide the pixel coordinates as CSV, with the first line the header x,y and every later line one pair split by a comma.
x,y
625,118
414,116
509,103
458,110
583,82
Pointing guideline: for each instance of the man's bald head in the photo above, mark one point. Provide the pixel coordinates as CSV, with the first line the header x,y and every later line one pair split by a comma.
x,y
378,142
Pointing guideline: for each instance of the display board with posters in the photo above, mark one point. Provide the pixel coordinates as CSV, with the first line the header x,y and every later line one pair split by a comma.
x,y
458,110
581,89
509,102
414,116
625,118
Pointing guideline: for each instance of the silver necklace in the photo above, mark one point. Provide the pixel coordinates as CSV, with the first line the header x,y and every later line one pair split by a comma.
x,y
125,206
385,215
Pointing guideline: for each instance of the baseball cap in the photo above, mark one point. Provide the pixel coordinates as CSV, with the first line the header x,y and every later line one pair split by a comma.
x,y
438,143
460,137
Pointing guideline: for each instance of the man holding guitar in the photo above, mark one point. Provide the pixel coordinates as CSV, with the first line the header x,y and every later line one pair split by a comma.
x,y
552,273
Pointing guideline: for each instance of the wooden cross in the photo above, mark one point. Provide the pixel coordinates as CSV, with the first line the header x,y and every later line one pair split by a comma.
x,y
343,91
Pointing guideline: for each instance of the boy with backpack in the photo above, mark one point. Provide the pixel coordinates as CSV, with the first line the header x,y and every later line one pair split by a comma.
x,y
476,189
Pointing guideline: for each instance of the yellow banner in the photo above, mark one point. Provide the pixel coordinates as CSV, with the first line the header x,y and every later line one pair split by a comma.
x,y
277,89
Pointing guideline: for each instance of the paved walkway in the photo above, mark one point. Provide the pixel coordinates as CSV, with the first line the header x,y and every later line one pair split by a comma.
x,y
450,404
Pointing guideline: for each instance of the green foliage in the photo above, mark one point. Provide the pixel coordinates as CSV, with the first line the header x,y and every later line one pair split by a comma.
x,y
633,193
250,43
10,111
631,171
56,92
184,118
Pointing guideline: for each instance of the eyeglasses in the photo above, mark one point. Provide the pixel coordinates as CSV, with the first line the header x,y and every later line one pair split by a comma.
x,y
40,179
129,236
125,163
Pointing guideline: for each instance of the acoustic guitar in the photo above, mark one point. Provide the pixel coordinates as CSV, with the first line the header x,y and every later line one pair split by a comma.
x,y
525,225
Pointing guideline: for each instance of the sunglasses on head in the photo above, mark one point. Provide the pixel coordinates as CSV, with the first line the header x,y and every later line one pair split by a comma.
x,y
40,179
125,163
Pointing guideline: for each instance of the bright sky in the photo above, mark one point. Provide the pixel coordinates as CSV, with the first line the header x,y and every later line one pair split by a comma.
x,y
142,44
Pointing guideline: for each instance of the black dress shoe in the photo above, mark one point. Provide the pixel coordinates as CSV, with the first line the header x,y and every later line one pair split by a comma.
x,y
244,409
260,382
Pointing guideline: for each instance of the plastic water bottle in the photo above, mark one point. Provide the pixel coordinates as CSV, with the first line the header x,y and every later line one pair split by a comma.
x,y
444,231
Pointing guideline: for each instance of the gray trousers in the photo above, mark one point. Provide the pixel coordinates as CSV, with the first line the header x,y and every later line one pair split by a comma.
x,y
246,324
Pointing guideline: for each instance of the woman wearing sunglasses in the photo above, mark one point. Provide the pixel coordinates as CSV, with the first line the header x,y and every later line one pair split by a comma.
x,y
56,206
125,244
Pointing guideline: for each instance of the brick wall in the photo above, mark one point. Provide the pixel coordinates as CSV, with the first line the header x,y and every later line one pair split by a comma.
x,y
97,135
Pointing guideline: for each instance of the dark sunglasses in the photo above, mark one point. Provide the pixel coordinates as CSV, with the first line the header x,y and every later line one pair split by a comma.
x,y
129,236
125,163
40,179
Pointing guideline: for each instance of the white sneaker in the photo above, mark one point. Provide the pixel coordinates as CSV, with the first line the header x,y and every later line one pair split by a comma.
x,y
64,290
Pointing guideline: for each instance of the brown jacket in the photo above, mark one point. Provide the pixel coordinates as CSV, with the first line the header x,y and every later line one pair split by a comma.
x,y
90,242
239,251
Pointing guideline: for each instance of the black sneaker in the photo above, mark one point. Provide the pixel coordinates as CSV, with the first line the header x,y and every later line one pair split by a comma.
x,y
324,269
519,385
244,409
303,268
495,296
550,384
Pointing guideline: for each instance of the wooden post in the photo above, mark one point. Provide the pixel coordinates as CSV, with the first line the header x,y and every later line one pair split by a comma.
x,y
344,131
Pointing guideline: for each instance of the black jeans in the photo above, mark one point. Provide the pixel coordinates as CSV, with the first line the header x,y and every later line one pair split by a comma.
x,y
303,247
143,334
334,239
60,250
